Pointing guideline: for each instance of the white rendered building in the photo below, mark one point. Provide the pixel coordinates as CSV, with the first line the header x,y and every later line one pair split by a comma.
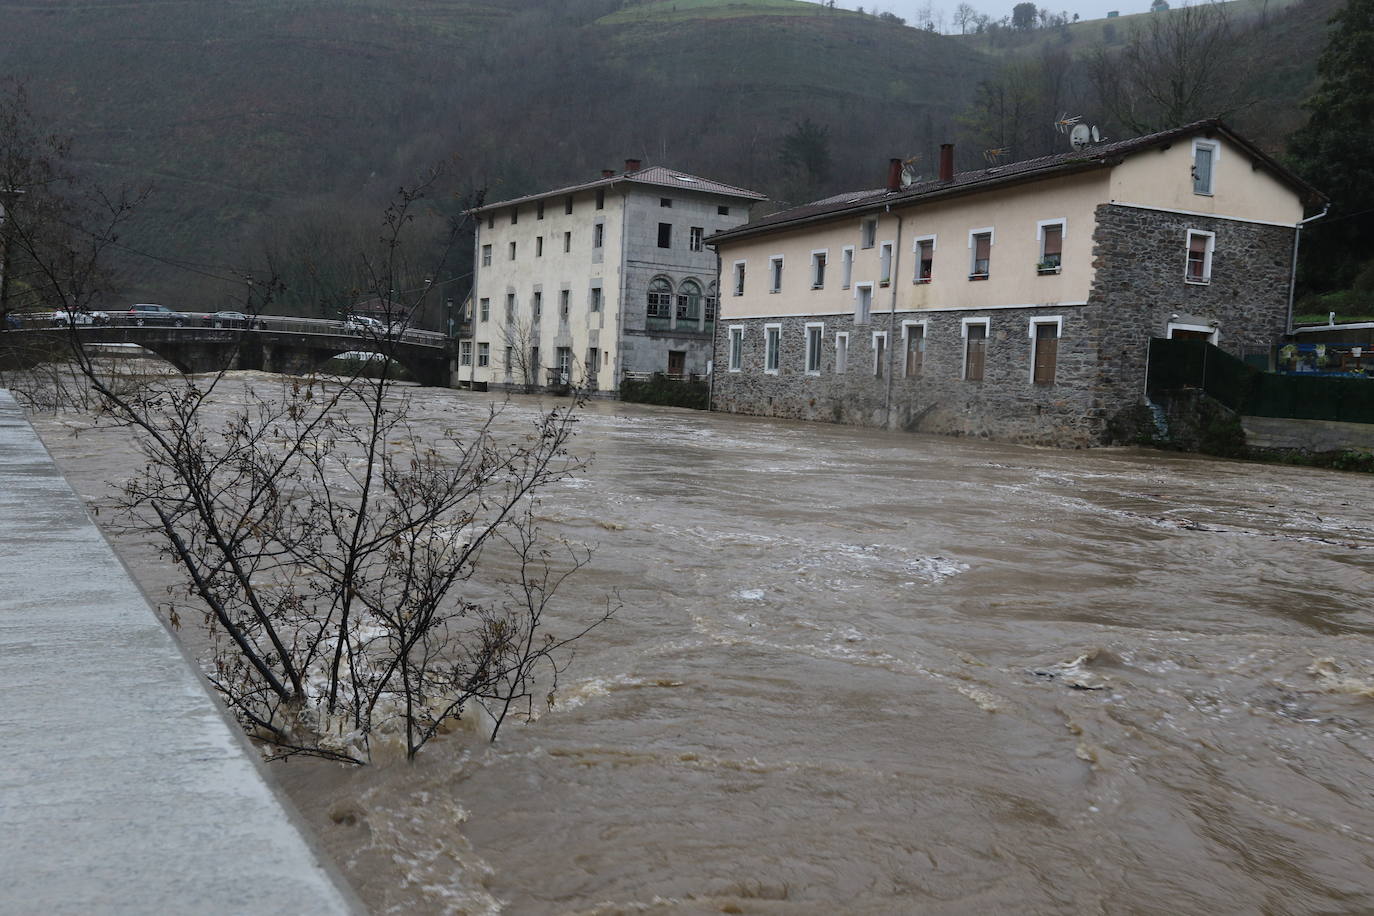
x,y
583,284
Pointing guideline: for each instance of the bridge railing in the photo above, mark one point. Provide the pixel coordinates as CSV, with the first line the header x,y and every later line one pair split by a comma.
x,y
204,321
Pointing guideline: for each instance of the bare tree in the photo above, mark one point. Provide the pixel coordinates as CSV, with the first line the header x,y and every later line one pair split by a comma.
x,y
1176,68
964,17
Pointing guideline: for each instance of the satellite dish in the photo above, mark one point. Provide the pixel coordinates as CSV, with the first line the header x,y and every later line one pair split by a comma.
x,y
1080,136
1097,135
908,176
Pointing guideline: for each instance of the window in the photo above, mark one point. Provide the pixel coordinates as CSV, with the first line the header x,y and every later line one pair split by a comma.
x,y
846,267
539,210
712,306
980,247
1051,234
665,235
1044,334
868,233
1200,244
722,211
739,278
564,356
814,332
598,234
863,302
775,274
915,334
483,309
512,251
841,352
694,237
736,352
660,298
1204,166
538,246
486,255
689,302
885,264
818,269
564,304
593,364
465,353
600,198
594,301
510,307
567,204
514,215
772,341
975,348
537,306
924,249
491,220
879,353
665,201
567,241
510,359
532,371
483,355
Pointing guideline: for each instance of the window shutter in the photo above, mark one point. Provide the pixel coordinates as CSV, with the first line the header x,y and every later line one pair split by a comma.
x,y
1054,240
1202,170
982,246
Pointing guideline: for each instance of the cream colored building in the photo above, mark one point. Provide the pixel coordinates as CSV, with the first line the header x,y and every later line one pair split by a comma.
x,y
583,284
1014,301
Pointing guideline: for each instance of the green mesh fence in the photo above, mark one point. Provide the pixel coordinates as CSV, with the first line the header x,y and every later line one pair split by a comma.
x,y
1243,388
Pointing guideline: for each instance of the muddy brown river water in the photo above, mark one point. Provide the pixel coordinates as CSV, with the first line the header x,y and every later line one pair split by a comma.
x,y
860,672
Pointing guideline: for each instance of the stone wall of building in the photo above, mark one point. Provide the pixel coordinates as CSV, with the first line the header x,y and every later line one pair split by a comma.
x,y
1139,259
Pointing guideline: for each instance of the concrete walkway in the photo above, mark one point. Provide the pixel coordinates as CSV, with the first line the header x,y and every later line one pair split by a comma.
x,y
123,787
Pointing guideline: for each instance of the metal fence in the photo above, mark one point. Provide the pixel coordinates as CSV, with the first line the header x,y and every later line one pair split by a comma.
x,y
1178,364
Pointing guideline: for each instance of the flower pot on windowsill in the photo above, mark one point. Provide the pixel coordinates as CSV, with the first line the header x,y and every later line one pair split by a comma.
x,y
977,276
922,279
1044,268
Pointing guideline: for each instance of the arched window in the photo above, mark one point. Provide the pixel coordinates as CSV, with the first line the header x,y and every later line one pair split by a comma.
x,y
660,298
689,301
712,303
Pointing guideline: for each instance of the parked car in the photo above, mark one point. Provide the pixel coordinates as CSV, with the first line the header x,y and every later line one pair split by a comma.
x,y
230,320
143,312
66,317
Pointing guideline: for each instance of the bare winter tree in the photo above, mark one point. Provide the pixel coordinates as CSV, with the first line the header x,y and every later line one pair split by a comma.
x,y
1176,68
333,548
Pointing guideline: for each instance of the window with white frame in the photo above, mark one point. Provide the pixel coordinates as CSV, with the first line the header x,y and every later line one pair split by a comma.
x,y
1199,265
885,264
483,309
914,341
879,353
775,274
1044,335
818,269
598,234
1050,234
815,332
841,352
736,354
924,250
739,278
483,355
712,306
660,299
1204,165
847,267
694,238
980,253
465,353
688,302
868,233
486,255
863,303
772,343
975,332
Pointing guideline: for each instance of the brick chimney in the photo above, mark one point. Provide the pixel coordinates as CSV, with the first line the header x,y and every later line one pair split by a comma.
x,y
894,174
608,173
632,165
946,161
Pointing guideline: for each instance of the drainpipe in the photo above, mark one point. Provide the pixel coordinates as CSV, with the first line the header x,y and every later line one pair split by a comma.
x,y
715,335
892,276
1293,276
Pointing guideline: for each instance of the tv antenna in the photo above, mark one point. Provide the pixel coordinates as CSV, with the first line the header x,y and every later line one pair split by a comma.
x,y
991,156
1065,122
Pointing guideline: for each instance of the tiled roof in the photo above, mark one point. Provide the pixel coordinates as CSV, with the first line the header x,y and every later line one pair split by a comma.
x,y
655,175
1101,155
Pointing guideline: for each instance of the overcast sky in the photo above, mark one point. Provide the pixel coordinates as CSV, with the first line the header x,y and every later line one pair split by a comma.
x,y
1087,9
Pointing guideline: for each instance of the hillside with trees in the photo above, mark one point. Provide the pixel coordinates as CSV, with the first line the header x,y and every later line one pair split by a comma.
x,y
270,132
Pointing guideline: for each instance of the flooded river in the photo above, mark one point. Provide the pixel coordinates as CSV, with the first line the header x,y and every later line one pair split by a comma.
x,y
861,672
